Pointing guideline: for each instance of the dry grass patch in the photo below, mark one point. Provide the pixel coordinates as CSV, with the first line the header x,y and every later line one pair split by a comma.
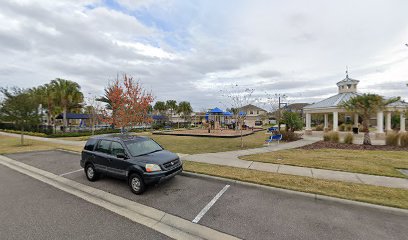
x,y
194,145
12,145
384,163
393,197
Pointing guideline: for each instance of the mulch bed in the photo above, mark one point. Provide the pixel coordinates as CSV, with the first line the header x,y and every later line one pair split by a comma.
x,y
323,144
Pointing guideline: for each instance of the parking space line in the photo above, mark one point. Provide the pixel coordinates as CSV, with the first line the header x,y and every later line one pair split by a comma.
x,y
210,204
61,175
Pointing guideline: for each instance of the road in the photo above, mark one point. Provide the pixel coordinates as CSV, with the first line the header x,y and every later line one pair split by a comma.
x,y
30,209
243,211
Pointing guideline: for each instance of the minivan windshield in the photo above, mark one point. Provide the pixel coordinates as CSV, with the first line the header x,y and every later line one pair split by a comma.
x,y
142,147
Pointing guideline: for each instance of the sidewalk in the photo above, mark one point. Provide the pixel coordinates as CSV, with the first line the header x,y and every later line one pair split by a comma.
x,y
231,159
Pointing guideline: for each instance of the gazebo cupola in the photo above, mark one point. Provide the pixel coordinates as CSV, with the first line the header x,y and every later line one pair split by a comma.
x,y
348,85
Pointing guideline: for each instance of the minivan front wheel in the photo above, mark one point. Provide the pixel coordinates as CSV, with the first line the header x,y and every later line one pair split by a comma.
x,y
136,184
91,173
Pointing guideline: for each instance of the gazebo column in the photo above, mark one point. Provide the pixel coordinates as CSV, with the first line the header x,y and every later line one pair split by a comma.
x,y
356,120
326,121
388,122
402,122
308,129
380,122
335,121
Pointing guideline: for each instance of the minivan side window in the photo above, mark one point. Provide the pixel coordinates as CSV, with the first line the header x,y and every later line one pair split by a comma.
x,y
117,148
90,144
103,146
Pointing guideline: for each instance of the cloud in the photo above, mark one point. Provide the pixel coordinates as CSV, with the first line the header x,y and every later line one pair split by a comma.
x,y
187,50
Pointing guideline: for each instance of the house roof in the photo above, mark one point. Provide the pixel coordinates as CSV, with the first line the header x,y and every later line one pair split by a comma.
x,y
297,106
252,107
333,101
74,116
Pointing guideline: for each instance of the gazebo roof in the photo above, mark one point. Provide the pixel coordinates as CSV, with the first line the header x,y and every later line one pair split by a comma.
x,y
348,80
333,101
398,104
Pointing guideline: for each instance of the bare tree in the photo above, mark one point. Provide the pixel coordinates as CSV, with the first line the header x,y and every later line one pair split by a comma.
x,y
274,103
237,97
94,109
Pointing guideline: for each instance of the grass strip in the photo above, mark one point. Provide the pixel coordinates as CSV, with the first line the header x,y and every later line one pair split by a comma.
x,y
393,197
383,163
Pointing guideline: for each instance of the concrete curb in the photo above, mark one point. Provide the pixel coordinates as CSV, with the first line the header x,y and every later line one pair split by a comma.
x,y
172,226
310,195
304,194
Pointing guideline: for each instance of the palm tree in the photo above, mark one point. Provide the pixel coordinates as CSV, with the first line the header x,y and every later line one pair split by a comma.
x,y
172,106
68,96
105,98
45,95
366,105
185,109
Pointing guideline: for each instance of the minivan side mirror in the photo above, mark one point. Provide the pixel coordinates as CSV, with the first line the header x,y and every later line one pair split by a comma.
x,y
121,155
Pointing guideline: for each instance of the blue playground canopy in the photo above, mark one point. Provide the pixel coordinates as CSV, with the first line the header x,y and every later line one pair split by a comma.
x,y
158,117
216,110
228,114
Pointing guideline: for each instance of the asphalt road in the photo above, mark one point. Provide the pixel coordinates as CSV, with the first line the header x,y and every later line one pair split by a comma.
x,y
243,211
31,209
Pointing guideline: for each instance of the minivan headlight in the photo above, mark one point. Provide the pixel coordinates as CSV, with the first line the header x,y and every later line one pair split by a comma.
x,y
152,168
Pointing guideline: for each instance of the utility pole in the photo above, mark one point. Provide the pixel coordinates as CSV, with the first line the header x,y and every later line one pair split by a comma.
x,y
279,112
279,109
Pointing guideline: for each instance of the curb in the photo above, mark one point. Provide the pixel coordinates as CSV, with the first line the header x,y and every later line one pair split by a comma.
x,y
304,194
309,195
170,225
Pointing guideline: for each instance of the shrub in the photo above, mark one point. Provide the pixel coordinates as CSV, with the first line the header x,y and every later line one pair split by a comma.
x,y
392,139
326,137
36,134
157,126
319,127
331,137
404,139
348,139
342,127
82,134
349,127
290,136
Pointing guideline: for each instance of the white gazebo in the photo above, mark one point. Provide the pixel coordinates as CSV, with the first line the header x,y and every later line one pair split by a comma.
x,y
347,89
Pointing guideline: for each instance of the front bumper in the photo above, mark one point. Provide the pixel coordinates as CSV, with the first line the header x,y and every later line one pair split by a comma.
x,y
158,177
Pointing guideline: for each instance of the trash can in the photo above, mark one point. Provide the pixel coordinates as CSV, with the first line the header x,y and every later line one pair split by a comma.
x,y
355,130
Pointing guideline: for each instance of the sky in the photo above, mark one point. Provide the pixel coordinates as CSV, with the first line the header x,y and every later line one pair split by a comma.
x,y
190,50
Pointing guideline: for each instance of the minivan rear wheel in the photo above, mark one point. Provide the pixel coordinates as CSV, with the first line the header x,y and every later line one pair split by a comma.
x,y
136,184
91,173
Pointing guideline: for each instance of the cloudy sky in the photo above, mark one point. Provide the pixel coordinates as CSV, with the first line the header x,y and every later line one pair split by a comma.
x,y
188,50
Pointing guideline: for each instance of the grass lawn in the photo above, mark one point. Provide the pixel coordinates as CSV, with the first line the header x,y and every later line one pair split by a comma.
x,y
382,163
12,145
393,197
194,145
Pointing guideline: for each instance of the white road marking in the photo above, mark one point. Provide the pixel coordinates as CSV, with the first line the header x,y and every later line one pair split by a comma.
x,y
61,175
210,204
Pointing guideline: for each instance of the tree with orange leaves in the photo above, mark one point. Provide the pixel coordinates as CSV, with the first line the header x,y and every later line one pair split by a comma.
x,y
127,103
